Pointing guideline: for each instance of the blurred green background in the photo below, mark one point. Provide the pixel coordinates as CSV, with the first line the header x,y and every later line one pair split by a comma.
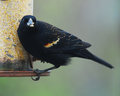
x,y
94,21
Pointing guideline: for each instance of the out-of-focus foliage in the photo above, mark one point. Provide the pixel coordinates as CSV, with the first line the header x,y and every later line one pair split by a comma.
x,y
95,21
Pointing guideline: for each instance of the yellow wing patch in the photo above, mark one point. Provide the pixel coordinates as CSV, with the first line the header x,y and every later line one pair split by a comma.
x,y
48,45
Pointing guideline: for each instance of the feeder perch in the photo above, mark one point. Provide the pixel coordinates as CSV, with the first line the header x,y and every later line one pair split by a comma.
x,y
14,60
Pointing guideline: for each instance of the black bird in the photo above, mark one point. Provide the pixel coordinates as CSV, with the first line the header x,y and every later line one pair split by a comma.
x,y
51,44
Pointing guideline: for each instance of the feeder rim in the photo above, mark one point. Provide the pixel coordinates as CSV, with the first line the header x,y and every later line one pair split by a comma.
x,y
21,74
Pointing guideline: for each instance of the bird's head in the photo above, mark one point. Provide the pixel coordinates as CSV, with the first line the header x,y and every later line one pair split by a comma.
x,y
29,21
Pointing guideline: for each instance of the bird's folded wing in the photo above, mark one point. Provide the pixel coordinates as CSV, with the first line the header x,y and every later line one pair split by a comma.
x,y
59,40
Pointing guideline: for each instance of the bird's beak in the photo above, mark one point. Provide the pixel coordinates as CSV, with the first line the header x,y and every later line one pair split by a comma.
x,y
30,23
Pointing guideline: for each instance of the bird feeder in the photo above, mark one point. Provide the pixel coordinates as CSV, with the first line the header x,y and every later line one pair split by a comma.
x,y
14,60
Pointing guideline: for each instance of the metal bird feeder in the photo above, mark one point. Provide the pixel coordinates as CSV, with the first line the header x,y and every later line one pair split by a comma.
x,y
14,60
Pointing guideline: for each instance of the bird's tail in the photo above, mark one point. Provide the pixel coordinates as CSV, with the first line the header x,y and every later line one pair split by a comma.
x,y
88,55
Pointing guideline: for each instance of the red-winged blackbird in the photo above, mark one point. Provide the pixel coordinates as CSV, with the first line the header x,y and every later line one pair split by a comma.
x,y
51,44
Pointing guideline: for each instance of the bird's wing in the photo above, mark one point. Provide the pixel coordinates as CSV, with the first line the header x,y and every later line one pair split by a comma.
x,y
57,39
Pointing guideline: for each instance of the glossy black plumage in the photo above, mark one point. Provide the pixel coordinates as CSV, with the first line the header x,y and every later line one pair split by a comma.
x,y
51,44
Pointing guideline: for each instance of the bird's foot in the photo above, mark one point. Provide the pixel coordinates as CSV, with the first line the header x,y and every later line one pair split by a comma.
x,y
38,72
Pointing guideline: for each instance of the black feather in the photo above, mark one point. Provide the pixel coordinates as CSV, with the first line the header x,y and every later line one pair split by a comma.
x,y
88,55
51,44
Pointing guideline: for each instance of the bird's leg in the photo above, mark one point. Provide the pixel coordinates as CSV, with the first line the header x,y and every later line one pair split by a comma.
x,y
38,72
30,58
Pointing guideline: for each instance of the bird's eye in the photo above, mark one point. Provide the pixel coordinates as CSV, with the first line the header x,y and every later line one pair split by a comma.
x,y
34,20
26,20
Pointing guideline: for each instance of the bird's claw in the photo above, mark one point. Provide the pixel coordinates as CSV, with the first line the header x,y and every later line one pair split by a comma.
x,y
36,79
38,72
